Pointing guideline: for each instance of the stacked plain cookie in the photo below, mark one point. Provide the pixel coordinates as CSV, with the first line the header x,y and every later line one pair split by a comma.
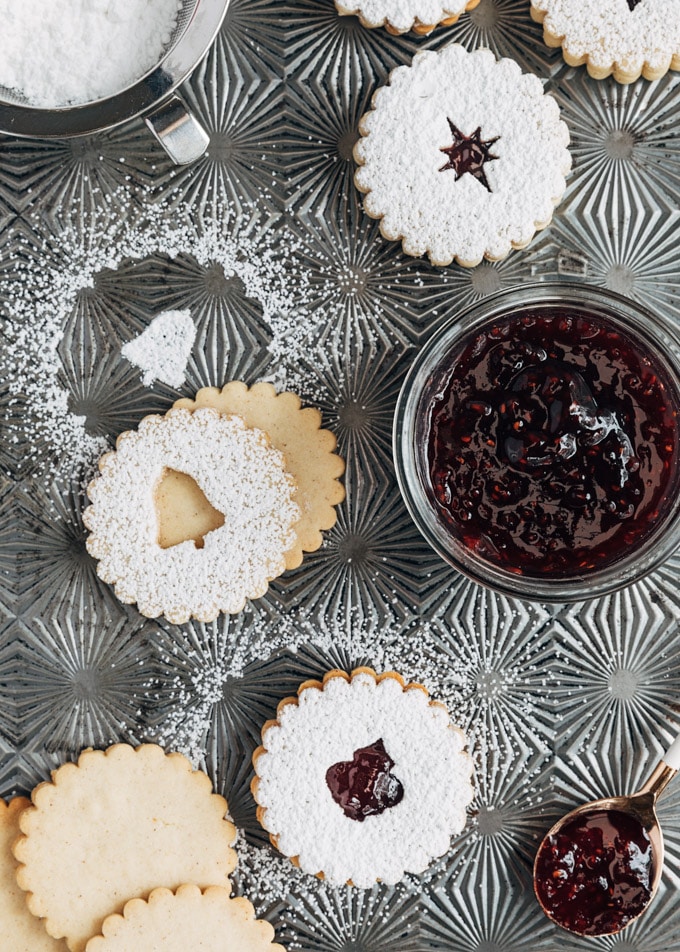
x,y
126,850
198,510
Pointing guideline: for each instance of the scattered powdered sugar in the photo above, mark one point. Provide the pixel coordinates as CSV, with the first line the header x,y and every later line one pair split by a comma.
x,y
61,52
325,728
420,198
402,14
40,291
241,475
609,32
162,350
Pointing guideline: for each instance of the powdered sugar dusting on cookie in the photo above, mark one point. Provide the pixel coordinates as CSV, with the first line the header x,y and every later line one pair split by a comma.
x,y
402,14
433,208
608,32
240,475
325,728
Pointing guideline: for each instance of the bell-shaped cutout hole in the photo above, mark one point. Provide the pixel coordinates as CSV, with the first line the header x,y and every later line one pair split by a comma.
x,y
182,510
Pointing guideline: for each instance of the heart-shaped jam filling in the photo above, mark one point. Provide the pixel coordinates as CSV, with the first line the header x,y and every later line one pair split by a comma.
x,y
364,785
183,511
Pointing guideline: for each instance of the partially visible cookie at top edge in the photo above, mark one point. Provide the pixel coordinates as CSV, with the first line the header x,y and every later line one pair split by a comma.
x,y
20,931
623,38
188,918
140,817
308,451
401,16
462,156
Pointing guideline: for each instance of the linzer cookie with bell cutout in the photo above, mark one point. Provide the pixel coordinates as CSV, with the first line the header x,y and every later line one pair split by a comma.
x,y
623,38
462,156
400,16
200,509
362,778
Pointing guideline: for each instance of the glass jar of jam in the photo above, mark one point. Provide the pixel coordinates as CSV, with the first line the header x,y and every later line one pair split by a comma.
x,y
537,442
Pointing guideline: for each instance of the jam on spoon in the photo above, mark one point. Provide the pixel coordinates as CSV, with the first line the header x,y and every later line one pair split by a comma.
x,y
552,446
599,867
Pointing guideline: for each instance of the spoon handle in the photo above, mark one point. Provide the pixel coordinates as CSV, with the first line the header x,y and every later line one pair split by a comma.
x,y
664,771
672,755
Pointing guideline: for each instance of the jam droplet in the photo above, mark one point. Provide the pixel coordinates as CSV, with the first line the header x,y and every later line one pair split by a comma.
x,y
595,874
552,442
632,4
364,785
468,154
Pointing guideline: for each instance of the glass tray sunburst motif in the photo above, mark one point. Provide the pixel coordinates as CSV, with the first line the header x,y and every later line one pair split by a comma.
x,y
562,703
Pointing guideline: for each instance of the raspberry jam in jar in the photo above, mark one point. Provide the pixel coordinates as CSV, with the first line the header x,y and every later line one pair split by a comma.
x,y
546,443
595,875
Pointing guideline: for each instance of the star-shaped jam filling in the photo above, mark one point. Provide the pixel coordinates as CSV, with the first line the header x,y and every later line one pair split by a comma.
x,y
468,154
632,4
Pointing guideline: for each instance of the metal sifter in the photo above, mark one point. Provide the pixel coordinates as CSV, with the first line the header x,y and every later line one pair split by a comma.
x,y
152,96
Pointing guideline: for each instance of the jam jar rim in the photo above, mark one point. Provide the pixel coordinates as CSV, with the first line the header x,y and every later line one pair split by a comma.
x,y
657,332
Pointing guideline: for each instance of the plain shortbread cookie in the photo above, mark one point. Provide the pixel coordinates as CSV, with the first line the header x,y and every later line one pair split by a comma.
x,y
118,824
19,930
186,921
308,450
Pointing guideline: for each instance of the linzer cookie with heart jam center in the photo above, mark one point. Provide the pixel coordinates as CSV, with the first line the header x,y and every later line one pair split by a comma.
x,y
462,156
626,38
362,778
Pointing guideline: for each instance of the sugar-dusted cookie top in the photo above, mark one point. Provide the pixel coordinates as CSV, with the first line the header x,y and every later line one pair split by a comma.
x,y
189,920
115,825
462,156
20,931
624,37
309,452
400,16
362,778
249,491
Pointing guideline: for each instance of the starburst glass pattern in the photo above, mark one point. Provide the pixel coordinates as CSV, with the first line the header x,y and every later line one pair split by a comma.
x,y
634,253
8,549
242,112
501,658
617,679
350,920
81,684
53,568
624,142
323,129
508,819
506,28
82,172
455,920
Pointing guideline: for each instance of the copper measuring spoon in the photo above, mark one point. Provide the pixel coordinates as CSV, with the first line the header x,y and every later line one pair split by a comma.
x,y
571,892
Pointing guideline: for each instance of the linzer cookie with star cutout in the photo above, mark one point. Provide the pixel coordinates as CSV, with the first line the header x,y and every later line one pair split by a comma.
x,y
623,38
400,16
462,156
362,778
